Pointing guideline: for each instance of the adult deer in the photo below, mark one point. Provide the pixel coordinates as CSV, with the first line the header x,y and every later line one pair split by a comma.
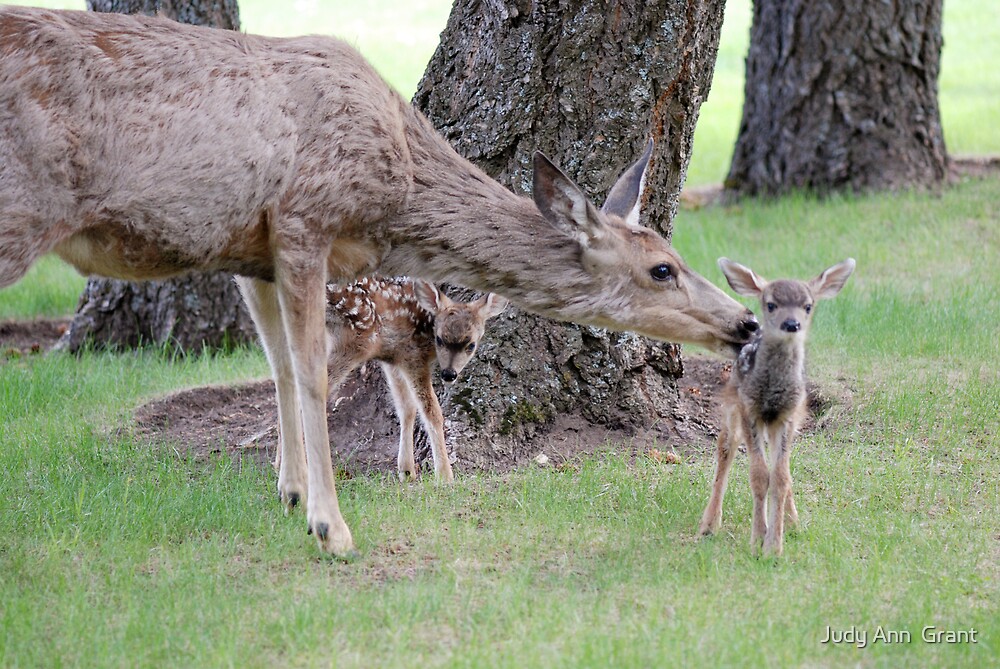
x,y
141,148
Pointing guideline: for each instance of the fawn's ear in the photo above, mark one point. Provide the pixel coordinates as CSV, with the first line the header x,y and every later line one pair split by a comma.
x,y
563,204
829,283
491,305
429,297
742,279
625,198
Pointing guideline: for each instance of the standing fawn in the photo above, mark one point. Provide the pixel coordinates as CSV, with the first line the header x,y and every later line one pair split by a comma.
x,y
765,399
140,148
405,324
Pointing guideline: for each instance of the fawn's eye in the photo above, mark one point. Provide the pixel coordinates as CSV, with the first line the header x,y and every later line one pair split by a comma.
x,y
771,306
661,272
439,341
471,347
809,308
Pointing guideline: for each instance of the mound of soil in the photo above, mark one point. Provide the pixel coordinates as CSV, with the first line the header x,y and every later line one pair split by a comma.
x,y
241,420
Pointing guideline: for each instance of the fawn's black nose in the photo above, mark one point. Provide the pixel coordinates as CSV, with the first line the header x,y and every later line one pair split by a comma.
x,y
791,325
449,375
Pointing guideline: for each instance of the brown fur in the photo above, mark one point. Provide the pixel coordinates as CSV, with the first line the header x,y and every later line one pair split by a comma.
x,y
137,147
405,324
765,400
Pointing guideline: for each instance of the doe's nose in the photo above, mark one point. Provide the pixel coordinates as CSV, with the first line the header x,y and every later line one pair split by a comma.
x,y
749,324
791,325
449,375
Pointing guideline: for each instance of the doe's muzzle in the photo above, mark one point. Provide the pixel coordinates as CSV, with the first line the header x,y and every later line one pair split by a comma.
x,y
749,324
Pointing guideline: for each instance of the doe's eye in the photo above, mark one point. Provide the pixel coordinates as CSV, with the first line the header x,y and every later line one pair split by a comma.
x,y
771,306
439,341
661,272
471,347
809,308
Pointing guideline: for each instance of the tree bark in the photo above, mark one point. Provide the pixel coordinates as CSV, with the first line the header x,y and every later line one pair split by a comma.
x,y
215,13
840,95
197,311
587,82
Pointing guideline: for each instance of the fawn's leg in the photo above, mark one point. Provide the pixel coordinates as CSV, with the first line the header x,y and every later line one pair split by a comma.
x,y
758,484
725,448
302,296
791,431
262,301
406,412
791,513
779,437
433,420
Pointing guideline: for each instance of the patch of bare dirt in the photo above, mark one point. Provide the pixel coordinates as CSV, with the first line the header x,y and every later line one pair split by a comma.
x,y
19,338
977,167
241,420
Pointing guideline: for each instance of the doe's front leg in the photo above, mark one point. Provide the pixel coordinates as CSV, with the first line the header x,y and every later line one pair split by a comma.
x,y
302,295
261,298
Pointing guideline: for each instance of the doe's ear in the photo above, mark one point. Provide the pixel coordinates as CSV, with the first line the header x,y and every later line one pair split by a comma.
x,y
625,197
491,305
563,204
428,296
742,279
829,283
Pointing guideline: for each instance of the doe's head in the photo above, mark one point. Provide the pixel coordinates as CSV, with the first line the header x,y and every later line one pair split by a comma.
x,y
787,306
629,277
458,326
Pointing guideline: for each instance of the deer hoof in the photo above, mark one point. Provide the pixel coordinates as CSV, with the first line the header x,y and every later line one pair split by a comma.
x,y
333,538
709,525
772,548
289,496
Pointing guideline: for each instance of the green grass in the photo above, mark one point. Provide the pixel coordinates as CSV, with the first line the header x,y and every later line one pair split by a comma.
x,y
115,554
51,288
120,555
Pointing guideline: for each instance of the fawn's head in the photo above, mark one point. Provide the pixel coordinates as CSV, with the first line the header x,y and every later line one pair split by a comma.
x,y
644,285
458,326
787,306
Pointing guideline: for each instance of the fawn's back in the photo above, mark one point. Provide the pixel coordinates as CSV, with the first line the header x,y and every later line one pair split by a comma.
x,y
406,322
380,318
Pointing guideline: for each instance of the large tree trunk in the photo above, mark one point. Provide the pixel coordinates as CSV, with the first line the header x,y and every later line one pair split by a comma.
x,y
840,95
192,312
587,82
